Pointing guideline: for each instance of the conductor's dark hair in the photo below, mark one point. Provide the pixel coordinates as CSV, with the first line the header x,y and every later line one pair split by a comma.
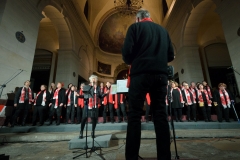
x,y
142,13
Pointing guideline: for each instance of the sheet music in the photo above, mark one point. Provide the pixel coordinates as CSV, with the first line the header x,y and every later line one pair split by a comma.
x,y
122,86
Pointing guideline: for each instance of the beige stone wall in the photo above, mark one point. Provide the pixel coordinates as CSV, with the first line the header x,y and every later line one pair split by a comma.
x,y
17,16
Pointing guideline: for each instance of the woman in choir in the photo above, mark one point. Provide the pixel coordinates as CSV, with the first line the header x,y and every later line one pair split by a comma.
x,y
91,104
71,104
80,104
177,101
204,103
223,99
41,103
189,101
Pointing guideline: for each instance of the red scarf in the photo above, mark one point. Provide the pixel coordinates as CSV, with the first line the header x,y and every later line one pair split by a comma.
x,y
188,97
44,98
116,100
209,91
22,97
148,99
93,102
225,103
193,92
81,100
200,98
109,95
55,96
146,19
181,98
128,80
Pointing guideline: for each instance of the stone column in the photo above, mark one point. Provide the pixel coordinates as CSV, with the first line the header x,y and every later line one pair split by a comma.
x,y
68,62
188,60
17,16
230,16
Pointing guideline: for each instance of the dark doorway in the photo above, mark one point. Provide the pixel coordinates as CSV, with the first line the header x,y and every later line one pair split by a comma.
x,y
38,78
80,80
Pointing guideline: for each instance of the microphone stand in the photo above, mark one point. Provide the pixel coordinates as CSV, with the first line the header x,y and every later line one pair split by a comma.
x,y
5,84
93,148
172,124
234,70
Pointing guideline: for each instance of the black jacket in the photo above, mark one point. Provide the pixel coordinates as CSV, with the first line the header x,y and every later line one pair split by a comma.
x,y
216,97
100,94
48,96
18,95
185,98
147,48
61,97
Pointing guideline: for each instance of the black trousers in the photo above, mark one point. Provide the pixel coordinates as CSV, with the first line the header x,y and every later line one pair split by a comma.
x,y
21,107
121,107
89,113
147,112
38,110
177,113
57,110
206,111
220,110
139,86
79,114
110,106
70,111
189,109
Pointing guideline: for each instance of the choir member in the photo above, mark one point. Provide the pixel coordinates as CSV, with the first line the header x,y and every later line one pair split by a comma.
x,y
222,99
189,99
57,103
204,103
41,102
148,102
22,101
208,89
71,104
52,88
177,101
120,106
108,102
80,104
91,105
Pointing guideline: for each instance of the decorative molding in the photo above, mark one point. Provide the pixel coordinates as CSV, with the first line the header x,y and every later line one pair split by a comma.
x,y
120,68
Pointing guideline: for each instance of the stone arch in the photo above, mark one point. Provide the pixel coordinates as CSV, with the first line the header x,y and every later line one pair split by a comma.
x,y
118,69
56,13
192,21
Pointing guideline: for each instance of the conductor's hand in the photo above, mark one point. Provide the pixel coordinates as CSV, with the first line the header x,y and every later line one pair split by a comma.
x,y
15,105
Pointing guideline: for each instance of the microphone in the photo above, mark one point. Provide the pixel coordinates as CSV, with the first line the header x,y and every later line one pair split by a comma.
x,y
230,67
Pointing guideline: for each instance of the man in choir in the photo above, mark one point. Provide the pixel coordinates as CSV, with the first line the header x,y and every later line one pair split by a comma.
x,y
41,102
22,101
148,101
92,104
222,99
189,99
148,49
80,104
64,109
120,106
108,102
71,104
57,103
204,103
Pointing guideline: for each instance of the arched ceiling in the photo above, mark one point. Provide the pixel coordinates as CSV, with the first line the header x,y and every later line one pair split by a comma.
x,y
99,10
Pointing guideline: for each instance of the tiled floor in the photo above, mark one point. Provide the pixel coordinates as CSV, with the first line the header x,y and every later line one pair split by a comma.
x,y
202,149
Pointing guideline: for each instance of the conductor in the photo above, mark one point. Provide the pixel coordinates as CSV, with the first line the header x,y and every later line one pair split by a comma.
x,y
148,49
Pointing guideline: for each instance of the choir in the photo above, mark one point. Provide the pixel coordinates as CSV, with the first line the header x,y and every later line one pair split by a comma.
x,y
195,98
